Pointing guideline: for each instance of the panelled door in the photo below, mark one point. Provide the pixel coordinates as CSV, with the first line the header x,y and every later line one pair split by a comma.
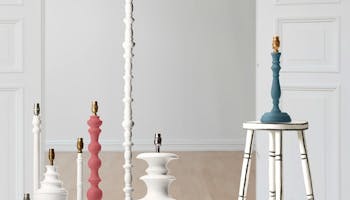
x,y
20,86
315,73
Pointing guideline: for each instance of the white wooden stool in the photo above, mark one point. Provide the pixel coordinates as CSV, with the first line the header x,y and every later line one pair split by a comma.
x,y
275,157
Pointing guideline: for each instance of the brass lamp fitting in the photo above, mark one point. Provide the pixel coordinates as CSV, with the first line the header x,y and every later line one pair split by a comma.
x,y
36,109
80,145
26,196
94,107
276,43
51,156
158,141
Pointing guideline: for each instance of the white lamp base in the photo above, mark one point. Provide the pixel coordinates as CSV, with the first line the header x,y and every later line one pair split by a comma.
x,y
51,186
157,180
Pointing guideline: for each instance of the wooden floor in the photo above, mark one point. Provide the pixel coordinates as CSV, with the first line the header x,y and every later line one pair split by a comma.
x,y
200,175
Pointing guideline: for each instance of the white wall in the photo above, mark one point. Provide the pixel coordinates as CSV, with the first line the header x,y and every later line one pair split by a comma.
x,y
194,71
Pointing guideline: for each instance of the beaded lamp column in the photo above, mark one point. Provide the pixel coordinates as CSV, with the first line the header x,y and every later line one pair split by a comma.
x,y
128,122
275,116
94,193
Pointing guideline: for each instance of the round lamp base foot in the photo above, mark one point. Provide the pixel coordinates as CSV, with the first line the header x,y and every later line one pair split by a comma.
x,y
275,117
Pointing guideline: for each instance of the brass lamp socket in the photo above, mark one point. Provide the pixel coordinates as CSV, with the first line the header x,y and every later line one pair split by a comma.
x,y
51,156
80,145
94,107
275,43
36,109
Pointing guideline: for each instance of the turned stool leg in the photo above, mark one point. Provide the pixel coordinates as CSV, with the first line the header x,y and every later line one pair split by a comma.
x,y
243,188
278,165
272,152
305,166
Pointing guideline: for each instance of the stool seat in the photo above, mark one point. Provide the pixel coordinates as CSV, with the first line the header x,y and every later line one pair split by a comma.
x,y
295,125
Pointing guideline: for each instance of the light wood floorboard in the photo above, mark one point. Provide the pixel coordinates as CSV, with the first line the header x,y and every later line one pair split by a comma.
x,y
200,175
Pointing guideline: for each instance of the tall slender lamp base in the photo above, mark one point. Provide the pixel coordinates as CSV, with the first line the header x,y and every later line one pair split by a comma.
x,y
275,116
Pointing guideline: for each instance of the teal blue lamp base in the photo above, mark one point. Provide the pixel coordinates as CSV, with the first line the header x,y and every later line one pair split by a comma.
x,y
275,117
